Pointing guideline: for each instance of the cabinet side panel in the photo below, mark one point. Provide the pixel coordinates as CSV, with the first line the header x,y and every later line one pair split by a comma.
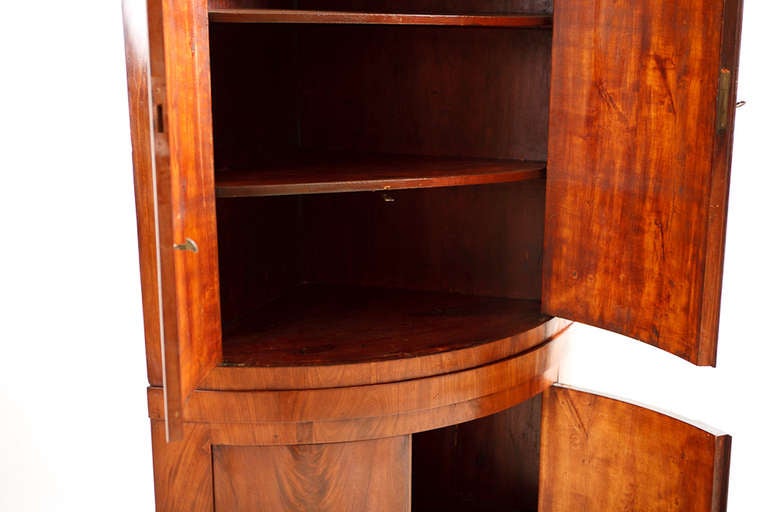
x,y
183,470
633,131
137,70
603,454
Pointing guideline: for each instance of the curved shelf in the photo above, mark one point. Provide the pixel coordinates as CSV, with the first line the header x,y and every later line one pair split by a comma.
x,y
332,336
343,414
360,173
377,18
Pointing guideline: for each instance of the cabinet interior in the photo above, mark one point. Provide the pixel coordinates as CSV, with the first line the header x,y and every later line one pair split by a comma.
x,y
378,184
489,464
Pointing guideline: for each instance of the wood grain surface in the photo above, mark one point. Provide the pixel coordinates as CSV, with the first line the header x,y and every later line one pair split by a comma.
x,y
373,476
329,172
184,198
137,71
183,472
468,92
409,366
635,186
375,411
322,325
499,7
337,17
428,316
598,453
440,6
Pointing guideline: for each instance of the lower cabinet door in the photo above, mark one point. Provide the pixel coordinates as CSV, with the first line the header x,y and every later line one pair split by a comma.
x,y
600,454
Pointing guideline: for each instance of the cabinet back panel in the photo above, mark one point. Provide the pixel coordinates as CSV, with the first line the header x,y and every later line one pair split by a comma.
x,y
259,253
485,465
254,86
482,240
433,6
472,92
251,4
401,6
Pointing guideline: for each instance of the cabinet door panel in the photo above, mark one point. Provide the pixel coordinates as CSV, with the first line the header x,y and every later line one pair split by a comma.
x,y
598,453
187,255
640,134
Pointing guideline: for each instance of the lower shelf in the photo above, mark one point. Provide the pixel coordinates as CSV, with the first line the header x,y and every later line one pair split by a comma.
x,y
324,324
332,336
320,412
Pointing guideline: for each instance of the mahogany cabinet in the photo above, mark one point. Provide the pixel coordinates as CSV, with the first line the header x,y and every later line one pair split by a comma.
x,y
365,227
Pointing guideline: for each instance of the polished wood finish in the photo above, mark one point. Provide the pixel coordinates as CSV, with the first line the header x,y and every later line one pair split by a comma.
x,y
460,7
373,427
336,17
718,194
421,361
363,475
137,71
434,91
326,173
321,325
164,229
184,199
598,453
468,92
371,269
369,412
183,472
636,184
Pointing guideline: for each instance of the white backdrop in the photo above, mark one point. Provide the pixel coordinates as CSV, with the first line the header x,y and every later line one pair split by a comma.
x,y
72,378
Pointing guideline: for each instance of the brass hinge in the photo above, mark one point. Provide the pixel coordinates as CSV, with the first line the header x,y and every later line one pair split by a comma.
x,y
723,99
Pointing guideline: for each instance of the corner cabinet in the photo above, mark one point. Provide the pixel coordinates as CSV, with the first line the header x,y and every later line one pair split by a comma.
x,y
365,227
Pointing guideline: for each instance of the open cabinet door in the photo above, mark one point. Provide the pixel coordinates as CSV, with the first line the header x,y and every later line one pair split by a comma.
x,y
640,134
171,116
601,454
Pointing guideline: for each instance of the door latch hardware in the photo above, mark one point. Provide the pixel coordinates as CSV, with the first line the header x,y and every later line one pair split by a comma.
x,y
188,245
160,122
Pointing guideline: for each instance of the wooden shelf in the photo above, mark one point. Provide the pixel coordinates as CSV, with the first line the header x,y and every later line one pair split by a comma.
x,y
323,174
331,325
376,18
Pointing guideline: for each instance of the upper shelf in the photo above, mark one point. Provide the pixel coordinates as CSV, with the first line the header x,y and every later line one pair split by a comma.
x,y
317,174
376,18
